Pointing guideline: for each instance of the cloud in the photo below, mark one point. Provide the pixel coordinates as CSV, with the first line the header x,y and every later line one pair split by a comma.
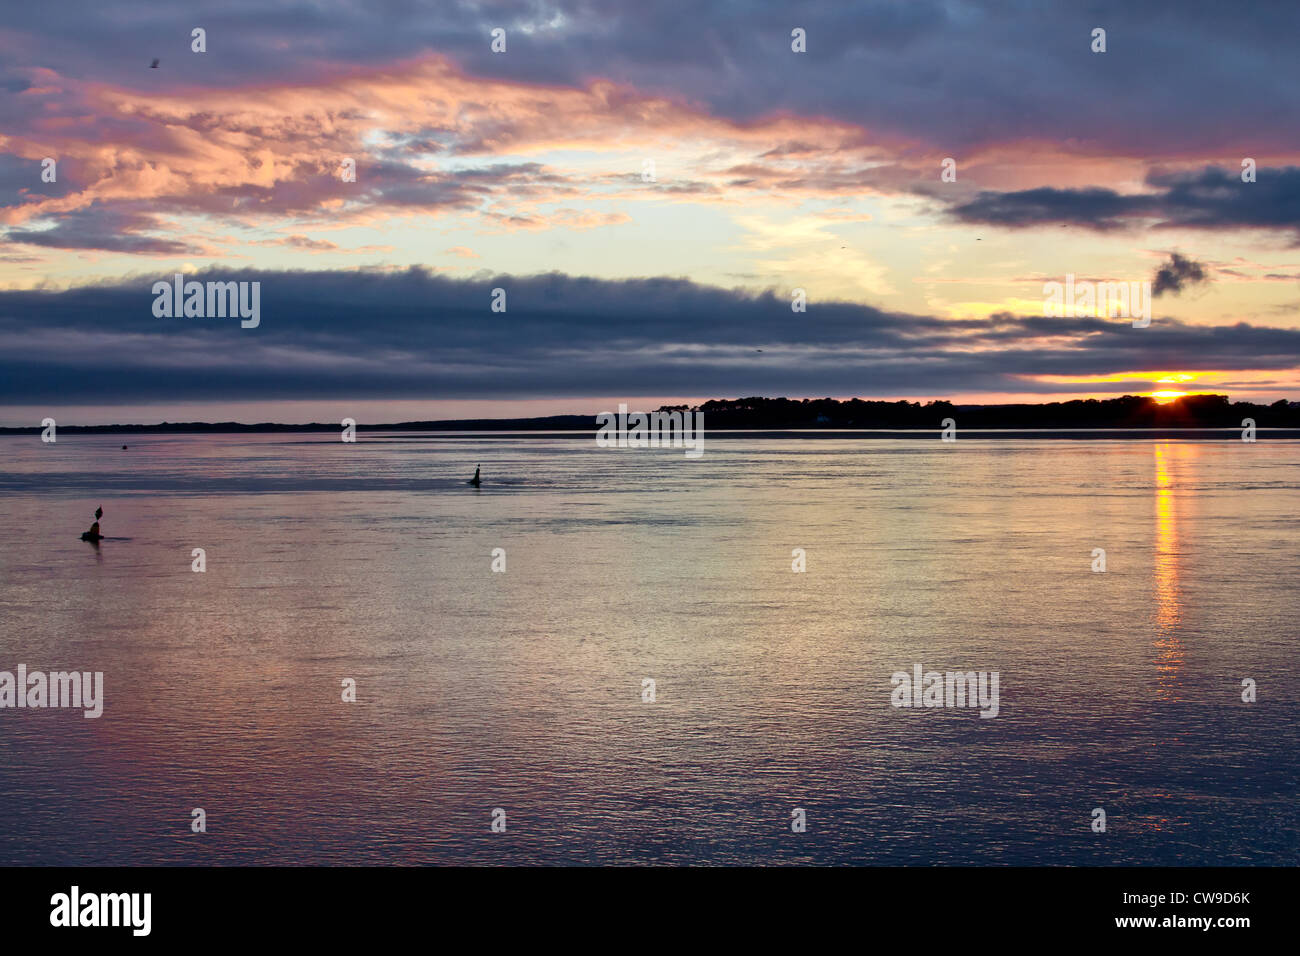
x,y
412,334
117,229
422,135
1209,198
253,138
1177,274
1181,77
314,245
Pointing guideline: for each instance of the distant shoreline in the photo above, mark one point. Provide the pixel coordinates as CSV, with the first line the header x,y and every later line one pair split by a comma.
x,y
722,434
1203,416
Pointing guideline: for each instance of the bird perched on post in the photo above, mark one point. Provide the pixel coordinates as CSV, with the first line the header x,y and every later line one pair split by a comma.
x,y
99,513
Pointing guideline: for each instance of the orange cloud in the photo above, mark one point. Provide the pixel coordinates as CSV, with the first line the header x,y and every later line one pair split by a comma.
x,y
259,151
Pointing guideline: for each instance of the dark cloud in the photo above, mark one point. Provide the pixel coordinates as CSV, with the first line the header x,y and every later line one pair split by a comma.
x,y
374,334
1179,76
20,180
1210,198
111,229
1095,208
1177,274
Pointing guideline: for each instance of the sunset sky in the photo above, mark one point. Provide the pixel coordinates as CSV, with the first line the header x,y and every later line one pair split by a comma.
x,y
523,170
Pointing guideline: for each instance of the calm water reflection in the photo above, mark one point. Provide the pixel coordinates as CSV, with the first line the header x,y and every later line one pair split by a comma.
x,y
522,690
1169,648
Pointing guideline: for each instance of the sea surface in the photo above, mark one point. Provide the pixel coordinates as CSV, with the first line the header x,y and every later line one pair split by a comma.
x,y
522,691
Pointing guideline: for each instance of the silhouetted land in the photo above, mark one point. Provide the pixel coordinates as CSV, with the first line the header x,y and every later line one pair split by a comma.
x,y
775,415
1130,411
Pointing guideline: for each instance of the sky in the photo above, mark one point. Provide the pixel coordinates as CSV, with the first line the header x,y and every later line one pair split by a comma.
x,y
647,184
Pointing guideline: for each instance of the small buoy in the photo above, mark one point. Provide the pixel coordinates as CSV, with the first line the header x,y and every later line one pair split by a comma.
x,y
123,448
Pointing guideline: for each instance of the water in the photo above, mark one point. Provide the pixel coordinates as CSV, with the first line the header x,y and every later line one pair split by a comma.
x,y
522,690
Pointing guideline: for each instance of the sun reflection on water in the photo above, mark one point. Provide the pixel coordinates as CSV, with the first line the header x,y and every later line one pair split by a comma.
x,y
1168,644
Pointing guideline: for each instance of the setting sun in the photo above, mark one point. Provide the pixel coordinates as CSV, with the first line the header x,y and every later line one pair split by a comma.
x,y
1167,395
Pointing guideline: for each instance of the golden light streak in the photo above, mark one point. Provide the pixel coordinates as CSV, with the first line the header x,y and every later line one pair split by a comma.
x,y
1168,644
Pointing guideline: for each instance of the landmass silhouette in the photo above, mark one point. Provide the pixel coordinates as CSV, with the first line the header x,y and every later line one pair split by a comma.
x,y
1130,412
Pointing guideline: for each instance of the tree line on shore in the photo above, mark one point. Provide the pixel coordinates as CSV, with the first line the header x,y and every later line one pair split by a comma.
x,y
1127,412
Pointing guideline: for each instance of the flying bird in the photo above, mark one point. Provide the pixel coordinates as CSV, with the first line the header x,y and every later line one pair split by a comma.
x,y
99,513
